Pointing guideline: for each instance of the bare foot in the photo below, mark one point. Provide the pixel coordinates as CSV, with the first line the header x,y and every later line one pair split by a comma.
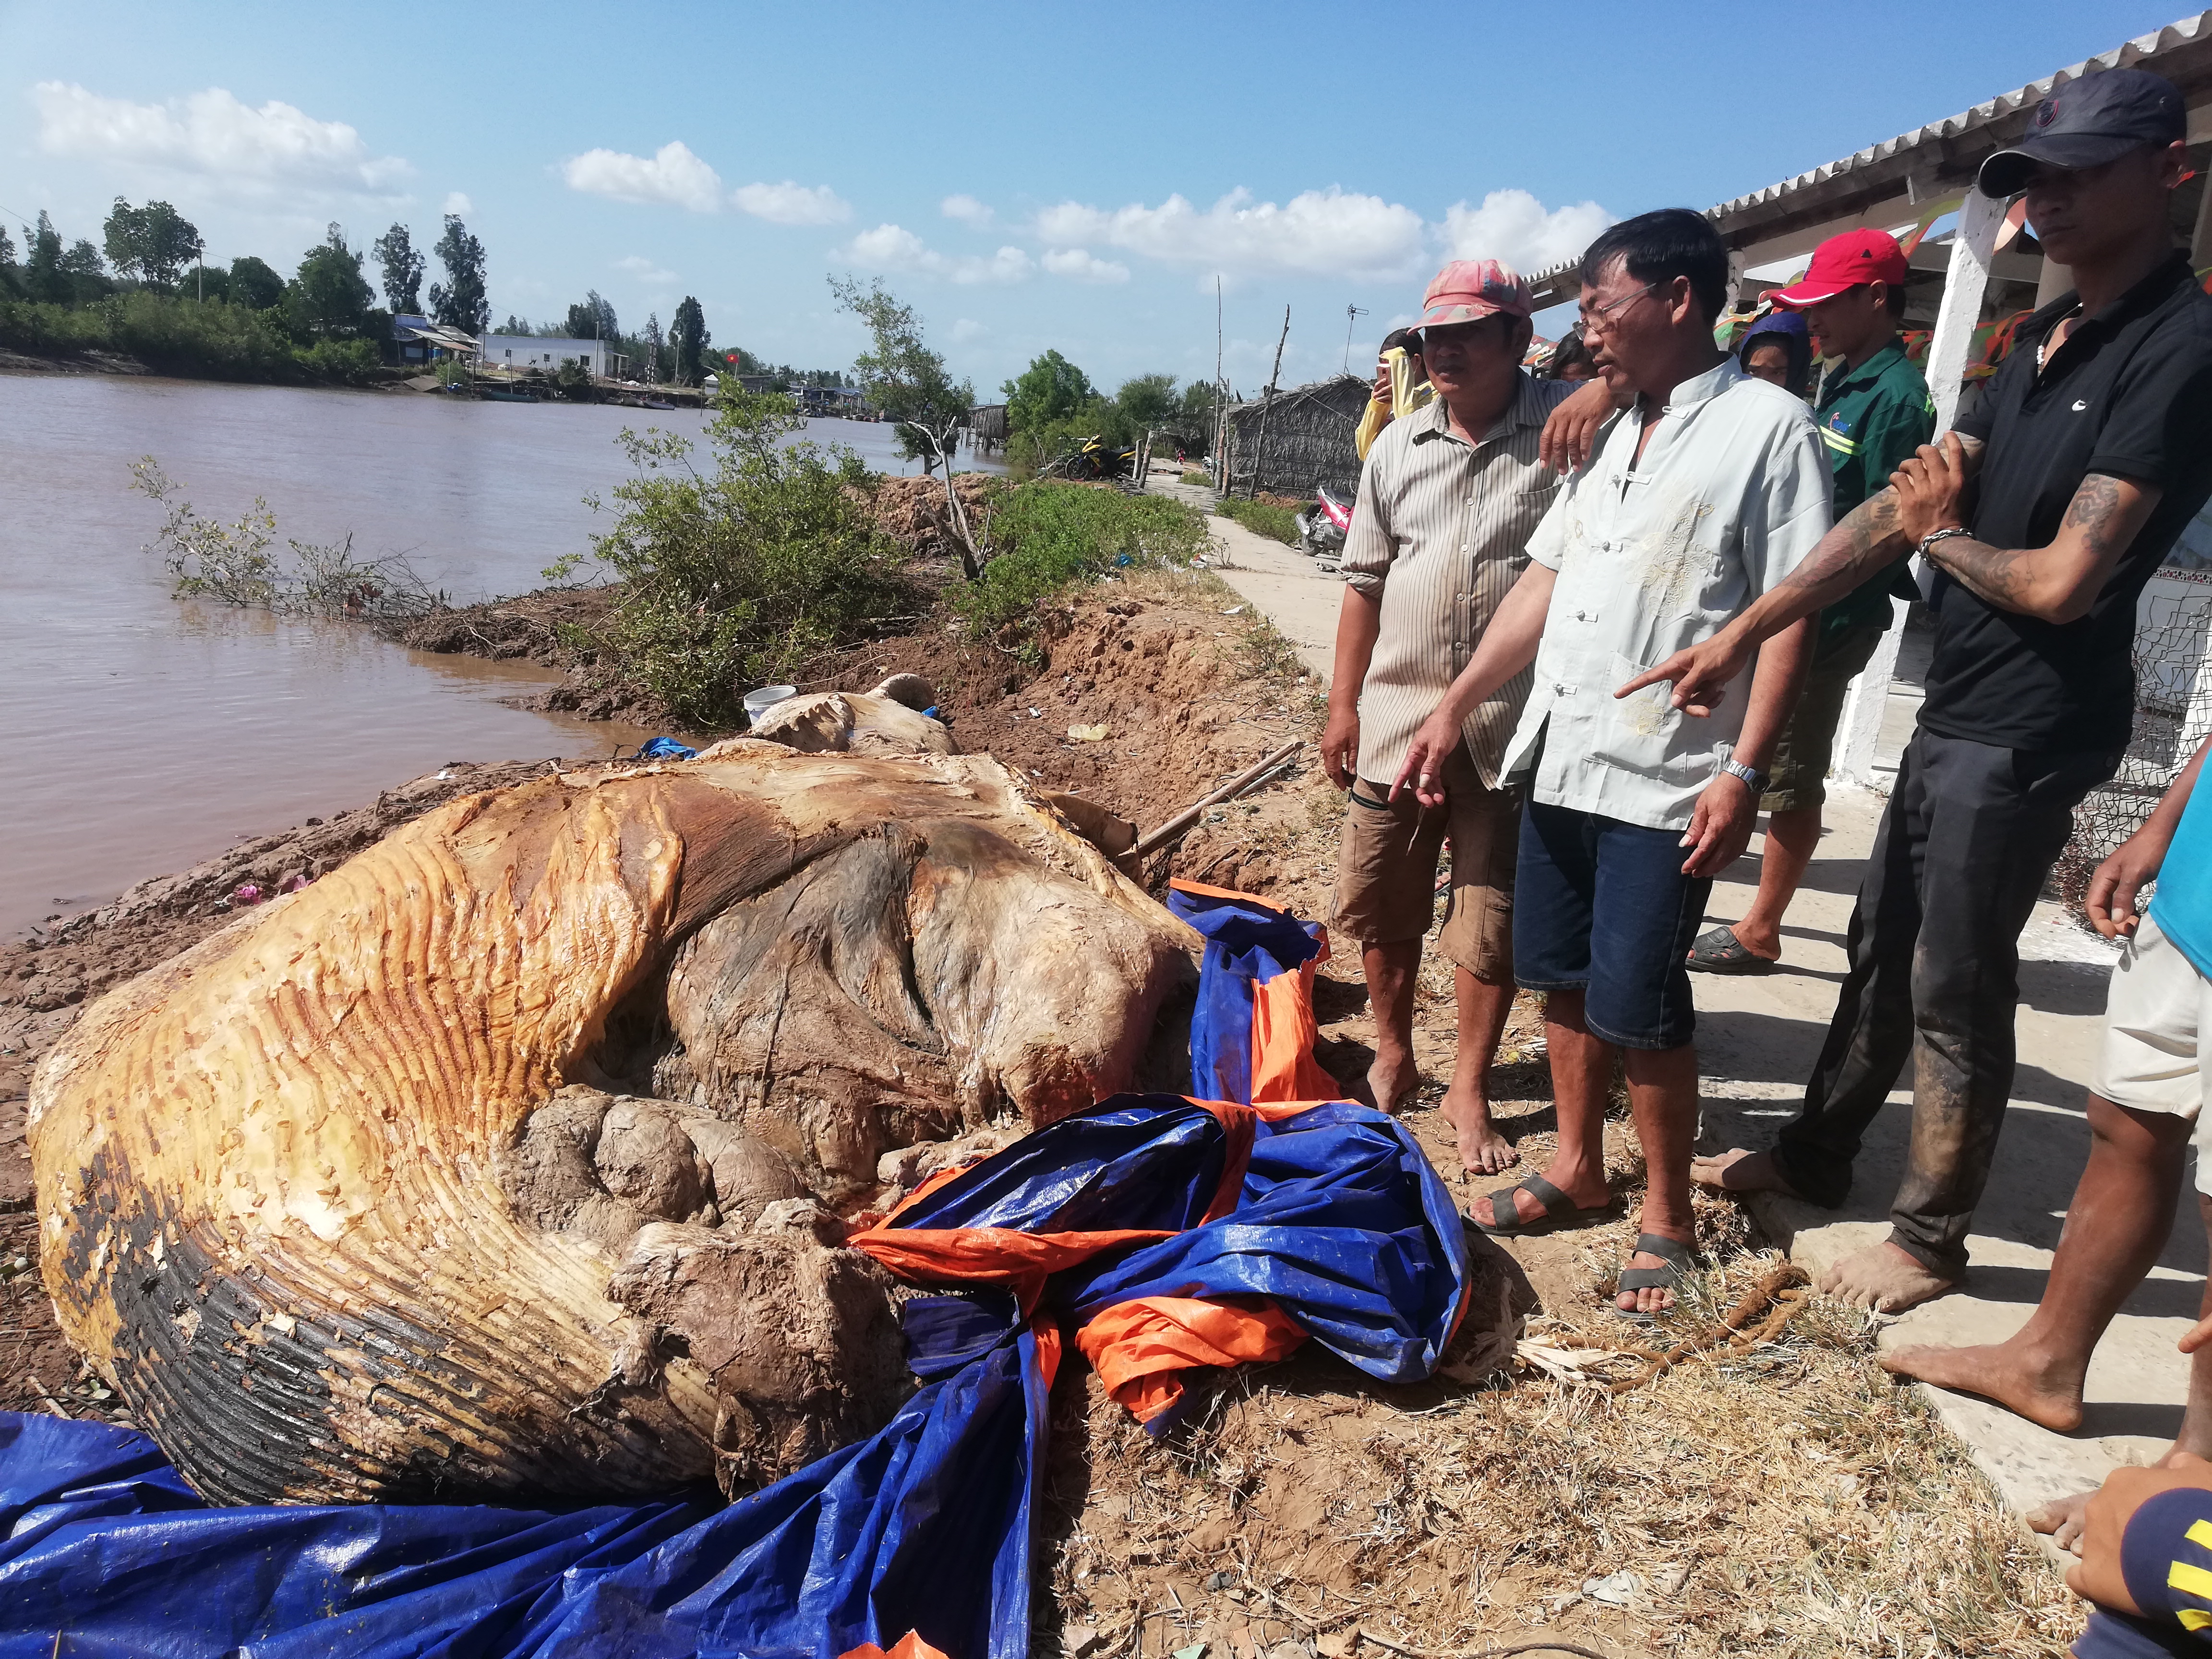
x,y
2041,1394
1739,1170
1393,1078
1482,1150
2061,1518
1883,1279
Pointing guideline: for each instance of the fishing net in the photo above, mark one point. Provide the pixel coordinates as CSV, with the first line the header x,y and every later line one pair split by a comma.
x,y
2173,710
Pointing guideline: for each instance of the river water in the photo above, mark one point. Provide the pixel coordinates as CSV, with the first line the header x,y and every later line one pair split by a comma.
x,y
151,733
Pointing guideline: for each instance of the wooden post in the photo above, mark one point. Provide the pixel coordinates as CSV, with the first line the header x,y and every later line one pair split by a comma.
x,y
1274,374
1980,218
1220,403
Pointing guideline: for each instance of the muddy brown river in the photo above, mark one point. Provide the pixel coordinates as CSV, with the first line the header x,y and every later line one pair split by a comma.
x,y
150,733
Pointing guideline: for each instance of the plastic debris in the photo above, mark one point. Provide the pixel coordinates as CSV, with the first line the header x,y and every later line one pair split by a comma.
x,y
247,892
1615,1589
1087,733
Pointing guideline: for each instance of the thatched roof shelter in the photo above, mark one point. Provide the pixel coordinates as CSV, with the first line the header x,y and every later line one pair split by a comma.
x,y
1306,441
987,421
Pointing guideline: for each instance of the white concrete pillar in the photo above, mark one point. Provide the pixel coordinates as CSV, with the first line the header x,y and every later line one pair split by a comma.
x,y
1980,218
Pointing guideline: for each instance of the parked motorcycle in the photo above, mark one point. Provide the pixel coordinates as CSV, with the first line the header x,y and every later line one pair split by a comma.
x,y
1322,526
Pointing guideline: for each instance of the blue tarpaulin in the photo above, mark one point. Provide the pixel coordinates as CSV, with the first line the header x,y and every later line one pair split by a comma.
x,y
1326,1212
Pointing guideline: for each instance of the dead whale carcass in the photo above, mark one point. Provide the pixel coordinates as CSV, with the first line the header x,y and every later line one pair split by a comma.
x,y
487,1164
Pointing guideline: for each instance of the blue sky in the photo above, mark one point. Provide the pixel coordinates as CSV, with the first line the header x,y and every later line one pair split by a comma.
x,y
1026,176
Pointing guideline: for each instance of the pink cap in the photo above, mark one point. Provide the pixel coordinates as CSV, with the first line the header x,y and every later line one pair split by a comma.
x,y
1468,291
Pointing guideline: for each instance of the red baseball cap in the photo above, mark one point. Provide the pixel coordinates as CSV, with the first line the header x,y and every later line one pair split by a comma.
x,y
1844,262
1468,291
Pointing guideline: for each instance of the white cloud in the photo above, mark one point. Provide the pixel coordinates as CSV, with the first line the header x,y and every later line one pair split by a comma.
x,y
671,175
1317,234
1081,265
457,202
893,247
967,328
889,247
644,269
212,133
1514,226
967,210
790,203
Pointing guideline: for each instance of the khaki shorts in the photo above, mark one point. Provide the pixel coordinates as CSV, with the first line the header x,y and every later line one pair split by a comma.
x,y
2151,1059
1386,872
1799,775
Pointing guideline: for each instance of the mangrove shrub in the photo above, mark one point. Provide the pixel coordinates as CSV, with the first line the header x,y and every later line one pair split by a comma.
x,y
1055,535
735,574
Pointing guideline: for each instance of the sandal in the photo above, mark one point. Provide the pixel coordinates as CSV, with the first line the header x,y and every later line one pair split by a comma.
x,y
1558,1207
1720,952
1681,1261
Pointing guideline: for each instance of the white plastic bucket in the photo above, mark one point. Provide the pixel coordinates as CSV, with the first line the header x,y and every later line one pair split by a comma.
x,y
762,698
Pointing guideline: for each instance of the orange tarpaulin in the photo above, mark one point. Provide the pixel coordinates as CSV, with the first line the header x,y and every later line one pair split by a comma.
x,y
908,1646
1283,1025
1141,1348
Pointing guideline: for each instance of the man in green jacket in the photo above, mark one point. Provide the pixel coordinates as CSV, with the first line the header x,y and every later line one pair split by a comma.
x,y
1873,414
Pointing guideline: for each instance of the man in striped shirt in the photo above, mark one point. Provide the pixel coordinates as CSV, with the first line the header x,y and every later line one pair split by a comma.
x,y
1448,498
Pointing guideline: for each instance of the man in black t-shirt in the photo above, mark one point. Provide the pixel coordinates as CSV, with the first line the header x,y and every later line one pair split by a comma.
x,y
2044,513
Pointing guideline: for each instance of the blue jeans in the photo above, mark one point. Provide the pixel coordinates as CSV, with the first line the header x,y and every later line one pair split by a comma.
x,y
1603,908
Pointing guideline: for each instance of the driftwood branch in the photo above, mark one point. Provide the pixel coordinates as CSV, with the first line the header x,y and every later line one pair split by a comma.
x,y
1181,823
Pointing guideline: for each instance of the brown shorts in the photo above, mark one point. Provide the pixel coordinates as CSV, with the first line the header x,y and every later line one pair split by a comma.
x,y
1798,776
1386,872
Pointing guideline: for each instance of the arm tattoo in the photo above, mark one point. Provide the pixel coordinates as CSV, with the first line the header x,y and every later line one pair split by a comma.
x,y
2096,515
2095,512
1990,573
1866,541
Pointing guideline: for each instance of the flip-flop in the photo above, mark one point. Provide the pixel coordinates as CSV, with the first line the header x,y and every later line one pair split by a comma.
x,y
1720,952
1558,1207
1681,1261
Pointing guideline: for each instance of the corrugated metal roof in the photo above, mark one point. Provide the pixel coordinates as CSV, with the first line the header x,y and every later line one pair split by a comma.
x,y
1947,151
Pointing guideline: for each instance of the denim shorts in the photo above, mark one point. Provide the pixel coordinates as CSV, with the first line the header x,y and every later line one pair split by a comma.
x,y
1603,907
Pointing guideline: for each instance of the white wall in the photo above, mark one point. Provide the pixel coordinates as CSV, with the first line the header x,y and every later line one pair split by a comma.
x,y
543,351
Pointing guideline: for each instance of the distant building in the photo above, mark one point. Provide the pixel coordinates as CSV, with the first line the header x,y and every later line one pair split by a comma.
x,y
547,352
1299,438
845,400
419,340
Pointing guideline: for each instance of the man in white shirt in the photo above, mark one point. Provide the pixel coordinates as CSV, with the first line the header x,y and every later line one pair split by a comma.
x,y
1704,494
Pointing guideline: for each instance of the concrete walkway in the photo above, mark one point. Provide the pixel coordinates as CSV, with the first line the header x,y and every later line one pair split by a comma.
x,y
1759,1037
1293,593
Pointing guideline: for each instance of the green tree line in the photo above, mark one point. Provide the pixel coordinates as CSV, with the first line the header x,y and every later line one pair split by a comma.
x,y
1052,409
147,292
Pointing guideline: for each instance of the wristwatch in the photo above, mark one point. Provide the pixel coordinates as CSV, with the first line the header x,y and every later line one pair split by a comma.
x,y
1754,779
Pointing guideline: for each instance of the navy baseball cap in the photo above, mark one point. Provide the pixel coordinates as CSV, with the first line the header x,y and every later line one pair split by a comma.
x,y
2085,123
